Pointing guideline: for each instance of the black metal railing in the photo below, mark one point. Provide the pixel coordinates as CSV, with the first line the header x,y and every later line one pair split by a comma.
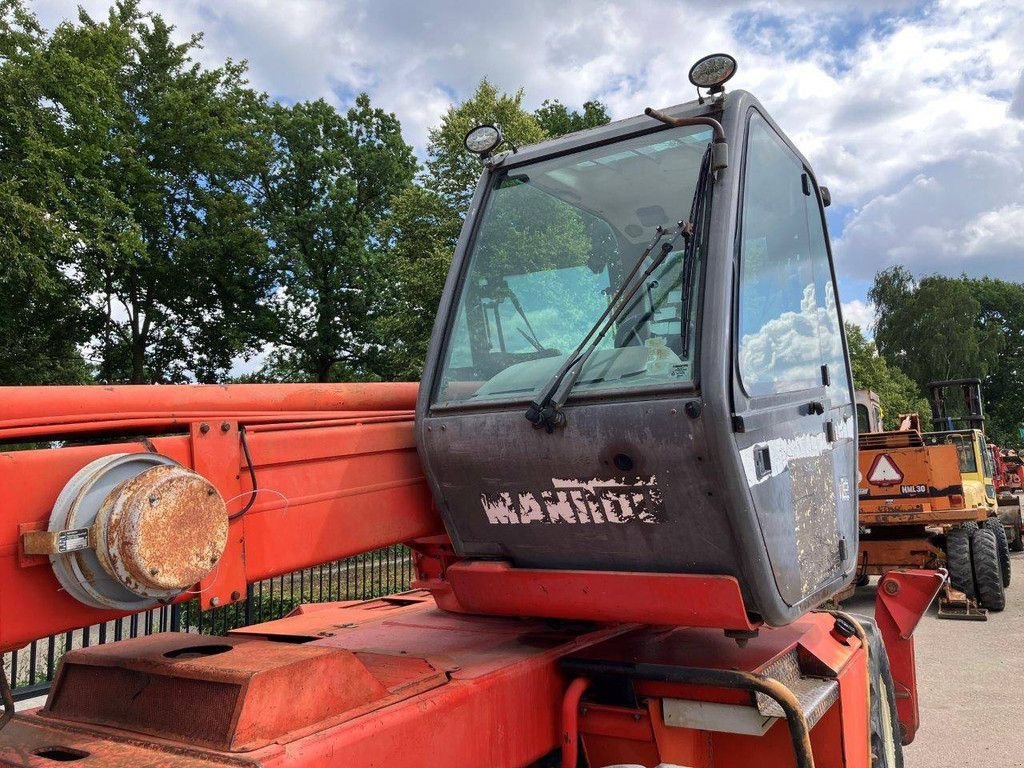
x,y
382,572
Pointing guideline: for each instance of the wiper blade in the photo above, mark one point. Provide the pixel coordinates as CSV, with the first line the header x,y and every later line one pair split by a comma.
x,y
545,411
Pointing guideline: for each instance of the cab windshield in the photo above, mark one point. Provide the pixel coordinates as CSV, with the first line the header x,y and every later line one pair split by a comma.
x,y
554,241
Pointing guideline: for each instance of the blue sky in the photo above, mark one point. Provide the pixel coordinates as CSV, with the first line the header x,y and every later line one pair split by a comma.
x,y
912,113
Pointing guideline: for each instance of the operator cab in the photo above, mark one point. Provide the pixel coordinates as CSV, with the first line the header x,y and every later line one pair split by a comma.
x,y
639,364
960,421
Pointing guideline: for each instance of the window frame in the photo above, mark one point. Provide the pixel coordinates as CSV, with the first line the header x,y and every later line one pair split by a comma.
x,y
490,181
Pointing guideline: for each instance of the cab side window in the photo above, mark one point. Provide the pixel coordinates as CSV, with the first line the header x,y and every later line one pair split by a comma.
x,y
788,320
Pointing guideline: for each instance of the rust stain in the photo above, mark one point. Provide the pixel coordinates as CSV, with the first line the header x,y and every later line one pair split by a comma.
x,y
167,529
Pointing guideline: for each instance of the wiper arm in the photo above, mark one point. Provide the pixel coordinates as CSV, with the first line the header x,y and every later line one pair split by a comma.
x,y
546,411
697,209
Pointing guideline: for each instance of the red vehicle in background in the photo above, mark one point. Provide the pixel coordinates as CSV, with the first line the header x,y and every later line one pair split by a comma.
x,y
1009,482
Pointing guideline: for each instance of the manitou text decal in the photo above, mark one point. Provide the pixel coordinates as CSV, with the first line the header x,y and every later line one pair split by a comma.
x,y
579,501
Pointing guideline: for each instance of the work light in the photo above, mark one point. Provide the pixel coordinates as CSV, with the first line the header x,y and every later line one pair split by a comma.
x,y
713,71
483,139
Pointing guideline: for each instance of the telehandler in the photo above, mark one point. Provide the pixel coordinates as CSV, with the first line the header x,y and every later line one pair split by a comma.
x,y
629,481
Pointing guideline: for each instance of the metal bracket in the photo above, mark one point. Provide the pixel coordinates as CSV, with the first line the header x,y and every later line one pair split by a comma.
x,y
57,542
216,455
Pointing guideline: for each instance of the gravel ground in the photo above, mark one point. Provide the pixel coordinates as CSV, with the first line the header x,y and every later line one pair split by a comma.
x,y
969,678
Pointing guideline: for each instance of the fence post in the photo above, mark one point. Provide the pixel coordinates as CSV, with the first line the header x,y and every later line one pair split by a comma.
x,y
248,605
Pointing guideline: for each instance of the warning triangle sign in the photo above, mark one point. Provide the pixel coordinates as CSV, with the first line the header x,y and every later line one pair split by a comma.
x,y
884,471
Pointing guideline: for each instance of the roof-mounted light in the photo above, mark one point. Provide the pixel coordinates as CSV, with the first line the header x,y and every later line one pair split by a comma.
x,y
713,71
483,139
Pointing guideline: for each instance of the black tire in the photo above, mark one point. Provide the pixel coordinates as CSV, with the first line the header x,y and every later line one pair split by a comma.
x,y
886,732
958,561
1016,540
995,525
863,580
988,578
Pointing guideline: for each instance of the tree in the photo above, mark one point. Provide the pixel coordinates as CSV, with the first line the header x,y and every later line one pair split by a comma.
x,y
165,236
930,328
896,391
417,240
41,325
452,172
556,119
948,328
1002,312
330,182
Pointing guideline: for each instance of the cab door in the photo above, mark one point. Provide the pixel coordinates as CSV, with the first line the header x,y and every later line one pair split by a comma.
x,y
794,424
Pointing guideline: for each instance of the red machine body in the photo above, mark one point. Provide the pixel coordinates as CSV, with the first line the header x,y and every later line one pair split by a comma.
x,y
1009,474
483,664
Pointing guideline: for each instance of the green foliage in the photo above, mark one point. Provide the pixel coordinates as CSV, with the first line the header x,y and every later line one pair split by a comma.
x,y
161,218
330,183
452,171
897,392
930,328
415,251
557,120
1002,313
950,328
155,152
41,322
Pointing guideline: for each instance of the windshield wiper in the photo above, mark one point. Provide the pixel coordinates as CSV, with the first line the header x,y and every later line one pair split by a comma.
x,y
685,279
504,291
546,410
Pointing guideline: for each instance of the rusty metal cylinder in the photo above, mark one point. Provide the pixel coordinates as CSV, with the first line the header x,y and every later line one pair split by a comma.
x,y
161,531
133,530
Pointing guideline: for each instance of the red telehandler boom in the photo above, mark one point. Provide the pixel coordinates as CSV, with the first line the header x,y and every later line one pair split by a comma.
x,y
628,478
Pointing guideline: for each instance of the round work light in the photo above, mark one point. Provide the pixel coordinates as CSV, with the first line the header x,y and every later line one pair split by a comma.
x,y
483,139
713,71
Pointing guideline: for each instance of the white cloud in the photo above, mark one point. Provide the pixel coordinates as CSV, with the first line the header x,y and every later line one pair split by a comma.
x,y
907,110
860,313
1017,105
961,214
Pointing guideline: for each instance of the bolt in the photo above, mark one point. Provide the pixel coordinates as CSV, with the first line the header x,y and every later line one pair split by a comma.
x,y
154,571
214,601
890,587
204,427
210,491
213,559
153,499
225,427
236,595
